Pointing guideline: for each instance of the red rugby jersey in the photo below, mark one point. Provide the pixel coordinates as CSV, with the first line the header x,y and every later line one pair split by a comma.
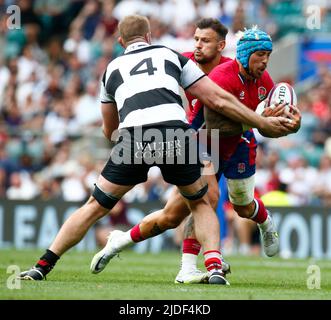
x,y
248,92
191,99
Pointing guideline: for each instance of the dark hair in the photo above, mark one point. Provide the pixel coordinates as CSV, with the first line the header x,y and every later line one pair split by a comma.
x,y
214,24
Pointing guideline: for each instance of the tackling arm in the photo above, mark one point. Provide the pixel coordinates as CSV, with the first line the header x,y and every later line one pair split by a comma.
x,y
219,100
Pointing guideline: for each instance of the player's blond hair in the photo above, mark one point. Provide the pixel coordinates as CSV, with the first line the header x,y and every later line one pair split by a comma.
x,y
132,27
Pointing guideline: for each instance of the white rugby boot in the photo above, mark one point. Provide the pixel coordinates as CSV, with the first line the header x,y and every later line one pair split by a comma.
x,y
269,237
192,276
111,249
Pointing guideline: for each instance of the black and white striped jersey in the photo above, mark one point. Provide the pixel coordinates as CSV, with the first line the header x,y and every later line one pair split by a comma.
x,y
145,85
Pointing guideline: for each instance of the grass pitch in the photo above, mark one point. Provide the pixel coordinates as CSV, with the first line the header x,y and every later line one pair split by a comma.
x,y
151,277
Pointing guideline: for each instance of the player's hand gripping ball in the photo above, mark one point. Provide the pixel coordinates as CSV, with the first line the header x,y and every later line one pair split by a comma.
x,y
282,101
281,93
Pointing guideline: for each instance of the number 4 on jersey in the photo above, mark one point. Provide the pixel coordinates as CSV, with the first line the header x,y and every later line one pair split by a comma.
x,y
138,69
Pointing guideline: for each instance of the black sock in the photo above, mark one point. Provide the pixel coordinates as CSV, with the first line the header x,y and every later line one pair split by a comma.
x,y
47,261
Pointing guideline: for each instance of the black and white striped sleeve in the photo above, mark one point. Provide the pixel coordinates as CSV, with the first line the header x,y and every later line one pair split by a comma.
x,y
190,74
105,97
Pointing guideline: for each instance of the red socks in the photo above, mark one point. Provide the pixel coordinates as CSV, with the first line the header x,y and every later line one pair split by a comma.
x,y
191,246
213,260
191,249
135,234
260,214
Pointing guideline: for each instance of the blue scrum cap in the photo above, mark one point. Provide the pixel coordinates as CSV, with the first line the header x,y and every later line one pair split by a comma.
x,y
252,40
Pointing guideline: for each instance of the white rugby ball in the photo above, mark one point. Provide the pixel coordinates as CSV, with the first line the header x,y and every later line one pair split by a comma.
x,y
282,92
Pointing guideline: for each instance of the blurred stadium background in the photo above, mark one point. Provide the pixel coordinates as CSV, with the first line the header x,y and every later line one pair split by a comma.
x,y
52,147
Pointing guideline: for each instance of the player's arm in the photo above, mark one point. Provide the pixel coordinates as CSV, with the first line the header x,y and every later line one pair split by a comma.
x,y
219,100
110,119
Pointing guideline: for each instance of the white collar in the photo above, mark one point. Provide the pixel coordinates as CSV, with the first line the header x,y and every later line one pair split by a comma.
x,y
135,46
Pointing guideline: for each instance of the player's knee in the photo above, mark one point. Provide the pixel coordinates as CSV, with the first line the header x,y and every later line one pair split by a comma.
x,y
197,196
241,194
104,199
93,210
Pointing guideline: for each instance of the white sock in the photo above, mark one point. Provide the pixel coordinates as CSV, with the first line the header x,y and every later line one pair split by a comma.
x,y
189,261
256,210
124,240
265,225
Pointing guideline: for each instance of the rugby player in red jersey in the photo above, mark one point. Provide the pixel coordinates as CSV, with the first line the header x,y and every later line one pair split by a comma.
x,y
247,79
209,39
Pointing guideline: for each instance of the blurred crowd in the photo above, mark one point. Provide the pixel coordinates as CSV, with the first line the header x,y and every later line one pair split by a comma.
x,y
50,70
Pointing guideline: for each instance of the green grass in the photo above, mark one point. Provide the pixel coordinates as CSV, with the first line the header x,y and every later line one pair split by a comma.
x,y
150,277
